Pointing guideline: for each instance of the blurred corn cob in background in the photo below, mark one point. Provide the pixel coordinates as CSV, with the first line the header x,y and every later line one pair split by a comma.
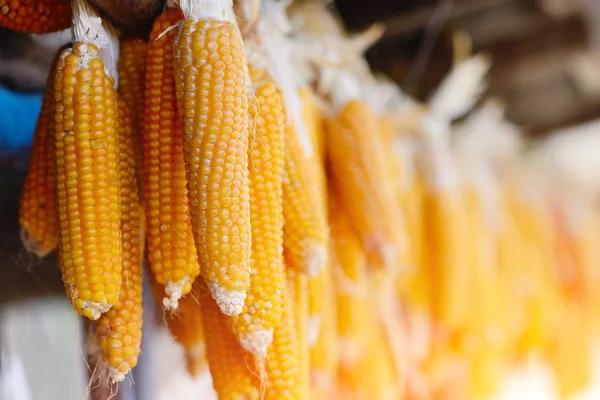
x,y
37,206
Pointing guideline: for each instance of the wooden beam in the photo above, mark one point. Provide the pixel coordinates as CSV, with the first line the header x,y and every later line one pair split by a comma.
x,y
418,18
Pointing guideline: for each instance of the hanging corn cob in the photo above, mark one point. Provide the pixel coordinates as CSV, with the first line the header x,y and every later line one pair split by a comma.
x,y
185,325
35,16
171,250
228,363
132,79
362,177
305,225
254,326
322,334
445,219
372,376
349,265
211,76
37,207
119,330
285,378
297,284
87,180
304,212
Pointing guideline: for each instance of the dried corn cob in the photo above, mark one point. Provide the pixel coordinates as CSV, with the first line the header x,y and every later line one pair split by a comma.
x,y
362,177
119,330
297,284
284,357
132,81
171,249
228,363
449,275
35,16
254,326
185,325
304,221
372,376
87,180
211,76
322,334
349,265
37,207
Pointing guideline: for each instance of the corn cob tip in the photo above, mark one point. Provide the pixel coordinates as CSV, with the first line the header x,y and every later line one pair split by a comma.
x,y
314,259
91,309
229,301
32,246
174,292
207,9
257,342
115,375
314,326
195,359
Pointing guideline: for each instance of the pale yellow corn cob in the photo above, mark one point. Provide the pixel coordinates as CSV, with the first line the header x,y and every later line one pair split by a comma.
x,y
363,178
297,284
284,369
304,210
349,267
449,274
255,325
322,334
211,78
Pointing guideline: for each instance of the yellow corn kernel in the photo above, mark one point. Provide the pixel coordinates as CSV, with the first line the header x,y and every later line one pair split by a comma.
x,y
132,82
284,373
297,284
262,310
119,330
37,207
322,334
185,325
211,78
364,181
87,180
349,268
304,212
228,362
35,16
171,250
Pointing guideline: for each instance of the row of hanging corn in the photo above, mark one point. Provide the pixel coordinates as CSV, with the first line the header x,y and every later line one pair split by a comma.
x,y
310,231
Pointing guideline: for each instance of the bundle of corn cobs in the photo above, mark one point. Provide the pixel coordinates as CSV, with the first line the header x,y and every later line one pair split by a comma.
x,y
308,229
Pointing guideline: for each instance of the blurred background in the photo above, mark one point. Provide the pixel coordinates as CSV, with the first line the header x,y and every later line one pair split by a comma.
x,y
539,105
